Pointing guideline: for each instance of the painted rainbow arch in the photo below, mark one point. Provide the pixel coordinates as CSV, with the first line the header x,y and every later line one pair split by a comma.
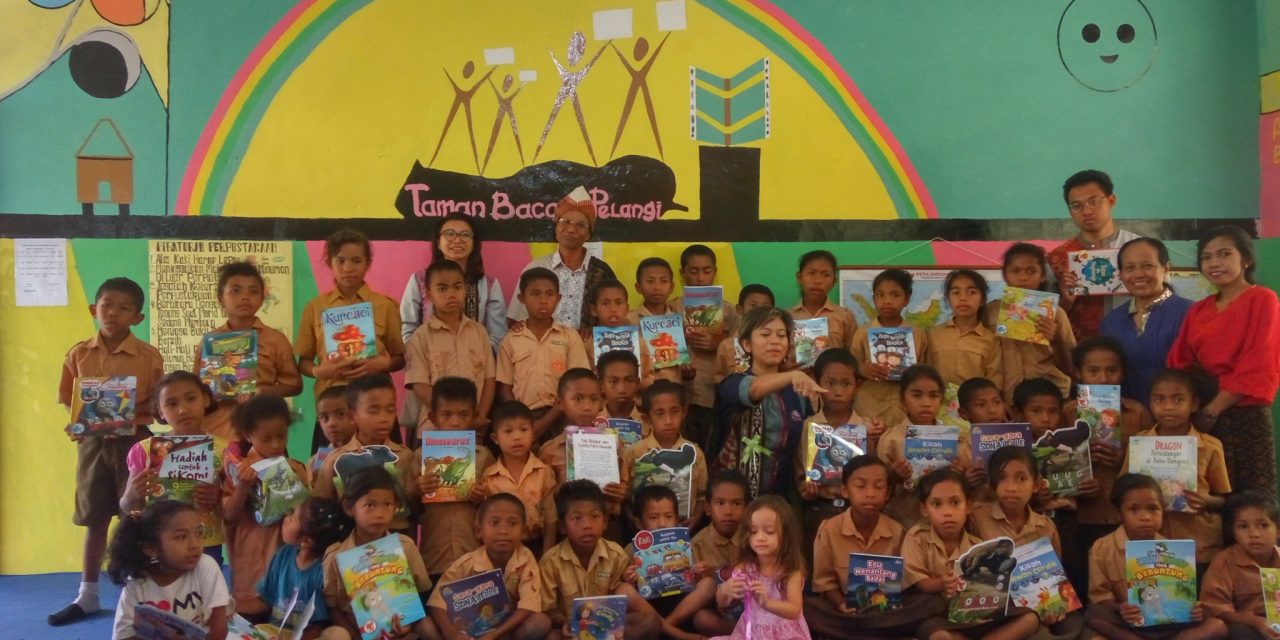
x,y
226,135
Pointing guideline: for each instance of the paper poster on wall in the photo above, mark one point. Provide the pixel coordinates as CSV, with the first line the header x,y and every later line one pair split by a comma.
x,y
40,272
928,305
183,303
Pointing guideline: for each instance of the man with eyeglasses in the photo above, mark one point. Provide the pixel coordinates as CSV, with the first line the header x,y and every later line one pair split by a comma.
x,y
1090,196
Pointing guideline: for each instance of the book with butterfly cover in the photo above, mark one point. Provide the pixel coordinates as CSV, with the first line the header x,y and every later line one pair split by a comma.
x,y
893,347
378,581
607,339
1020,309
478,604
349,332
229,363
103,406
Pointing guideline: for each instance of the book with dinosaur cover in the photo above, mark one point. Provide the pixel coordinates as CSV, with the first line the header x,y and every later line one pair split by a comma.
x,y
666,562
608,339
894,347
827,448
704,308
1039,582
986,439
1172,461
478,604
671,468
377,579
984,571
599,618
929,447
875,583
451,455
229,363
1099,406
1020,309
103,406
279,490
810,340
1161,579
665,337
349,333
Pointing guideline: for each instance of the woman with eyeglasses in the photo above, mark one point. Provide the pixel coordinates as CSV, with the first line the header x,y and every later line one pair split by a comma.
x,y
456,239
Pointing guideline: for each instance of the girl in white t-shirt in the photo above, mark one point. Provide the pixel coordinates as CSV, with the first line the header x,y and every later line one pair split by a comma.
x,y
158,556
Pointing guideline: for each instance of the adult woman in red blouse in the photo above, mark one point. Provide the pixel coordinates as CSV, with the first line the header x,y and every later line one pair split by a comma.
x,y
1234,336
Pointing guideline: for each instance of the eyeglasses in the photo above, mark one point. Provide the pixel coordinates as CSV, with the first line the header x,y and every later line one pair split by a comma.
x,y
566,223
450,234
1092,203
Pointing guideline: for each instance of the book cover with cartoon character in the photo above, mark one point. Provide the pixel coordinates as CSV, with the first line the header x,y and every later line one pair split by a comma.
x,y
1097,272
986,439
103,406
608,339
452,455
1271,596
665,562
984,571
810,340
347,464
1172,461
894,347
1099,406
1161,579
704,308
827,448
478,604
349,333
229,363
598,618
1039,582
628,431
929,447
1063,458
671,468
665,337
1020,309
182,463
875,583
278,491
377,579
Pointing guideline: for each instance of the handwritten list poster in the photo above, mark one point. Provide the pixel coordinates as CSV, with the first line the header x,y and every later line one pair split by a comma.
x,y
183,297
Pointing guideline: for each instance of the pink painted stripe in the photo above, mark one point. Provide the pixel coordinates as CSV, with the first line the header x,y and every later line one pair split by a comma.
x,y
825,56
228,96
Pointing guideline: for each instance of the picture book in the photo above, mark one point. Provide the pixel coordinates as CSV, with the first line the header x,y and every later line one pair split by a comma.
x,y
279,490
478,604
349,333
599,618
1171,460
452,455
591,454
986,439
929,447
182,463
1097,272
616,339
666,562
377,578
229,363
704,308
102,406
671,468
1063,458
810,341
894,347
875,583
1020,309
1161,579
628,431
153,623
984,571
1099,406
828,448
317,462
665,337
950,414
289,617
1039,582
347,464
1271,596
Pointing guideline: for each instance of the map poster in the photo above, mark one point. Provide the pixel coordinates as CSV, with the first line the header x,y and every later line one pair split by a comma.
x,y
927,307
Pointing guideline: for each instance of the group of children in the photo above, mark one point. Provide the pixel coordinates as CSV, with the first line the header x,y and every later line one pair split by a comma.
x,y
558,539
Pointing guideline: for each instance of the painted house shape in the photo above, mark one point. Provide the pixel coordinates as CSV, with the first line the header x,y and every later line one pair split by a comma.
x,y
104,169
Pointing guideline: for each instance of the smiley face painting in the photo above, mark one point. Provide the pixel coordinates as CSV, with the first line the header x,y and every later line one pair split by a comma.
x,y
1107,45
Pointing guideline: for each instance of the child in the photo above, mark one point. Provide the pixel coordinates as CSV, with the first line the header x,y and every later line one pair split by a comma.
x,y
372,500
769,575
373,408
981,402
878,395
715,550
448,528
183,402
608,304
101,474
963,347
1138,499
156,556
929,554
619,372
663,409
862,528
348,254
1013,477
698,269
263,423
817,277
499,524
334,415
1232,587
580,401
922,390
308,530
586,565
654,284
241,291
652,508
532,356
518,472
1174,399
450,344
730,358
836,371
1025,267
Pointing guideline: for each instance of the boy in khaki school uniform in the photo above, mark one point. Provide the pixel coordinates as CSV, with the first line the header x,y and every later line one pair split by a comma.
x,y
665,411
698,269
518,472
817,277
580,400
960,354
654,282
101,472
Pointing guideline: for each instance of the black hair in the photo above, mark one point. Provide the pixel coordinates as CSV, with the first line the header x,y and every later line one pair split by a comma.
x,y
861,462
728,476
648,263
1243,243
1032,251
1133,482
324,521
442,266
970,388
332,393
121,285
538,273
918,372
1162,252
1098,343
453,388
695,250
474,271
819,254
1248,500
579,491
509,410
612,357
574,375
1034,388
1081,178
127,560
365,384
976,278
238,269
499,498
756,290
900,277
249,414
1003,456
336,240
939,476
1177,376
838,355
176,377
609,283
659,387
366,480
652,493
